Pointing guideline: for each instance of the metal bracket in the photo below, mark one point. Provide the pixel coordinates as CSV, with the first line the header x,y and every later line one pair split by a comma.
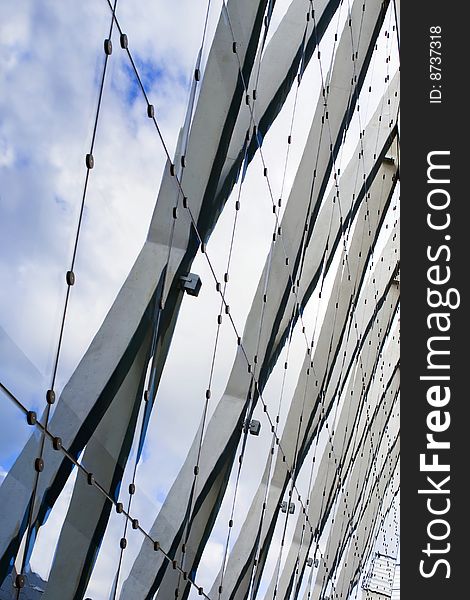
x,y
253,427
191,284
291,507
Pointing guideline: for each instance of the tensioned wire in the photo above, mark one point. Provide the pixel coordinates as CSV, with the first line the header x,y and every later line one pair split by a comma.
x,y
271,452
330,442
258,73
330,137
165,147
373,468
193,492
249,411
391,545
397,24
250,407
313,461
381,517
323,497
350,524
363,559
265,171
383,100
341,484
389,542
288,147
347,236
366,472
208,391
92,481
151,391
291,326
363,153
373,456
312,467
347,542
215,277
70,280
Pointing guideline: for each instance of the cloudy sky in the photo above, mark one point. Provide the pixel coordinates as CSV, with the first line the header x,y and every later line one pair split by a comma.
x,y
51,60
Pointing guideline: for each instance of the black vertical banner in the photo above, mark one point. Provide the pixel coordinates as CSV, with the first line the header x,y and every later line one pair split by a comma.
x,y
435,330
